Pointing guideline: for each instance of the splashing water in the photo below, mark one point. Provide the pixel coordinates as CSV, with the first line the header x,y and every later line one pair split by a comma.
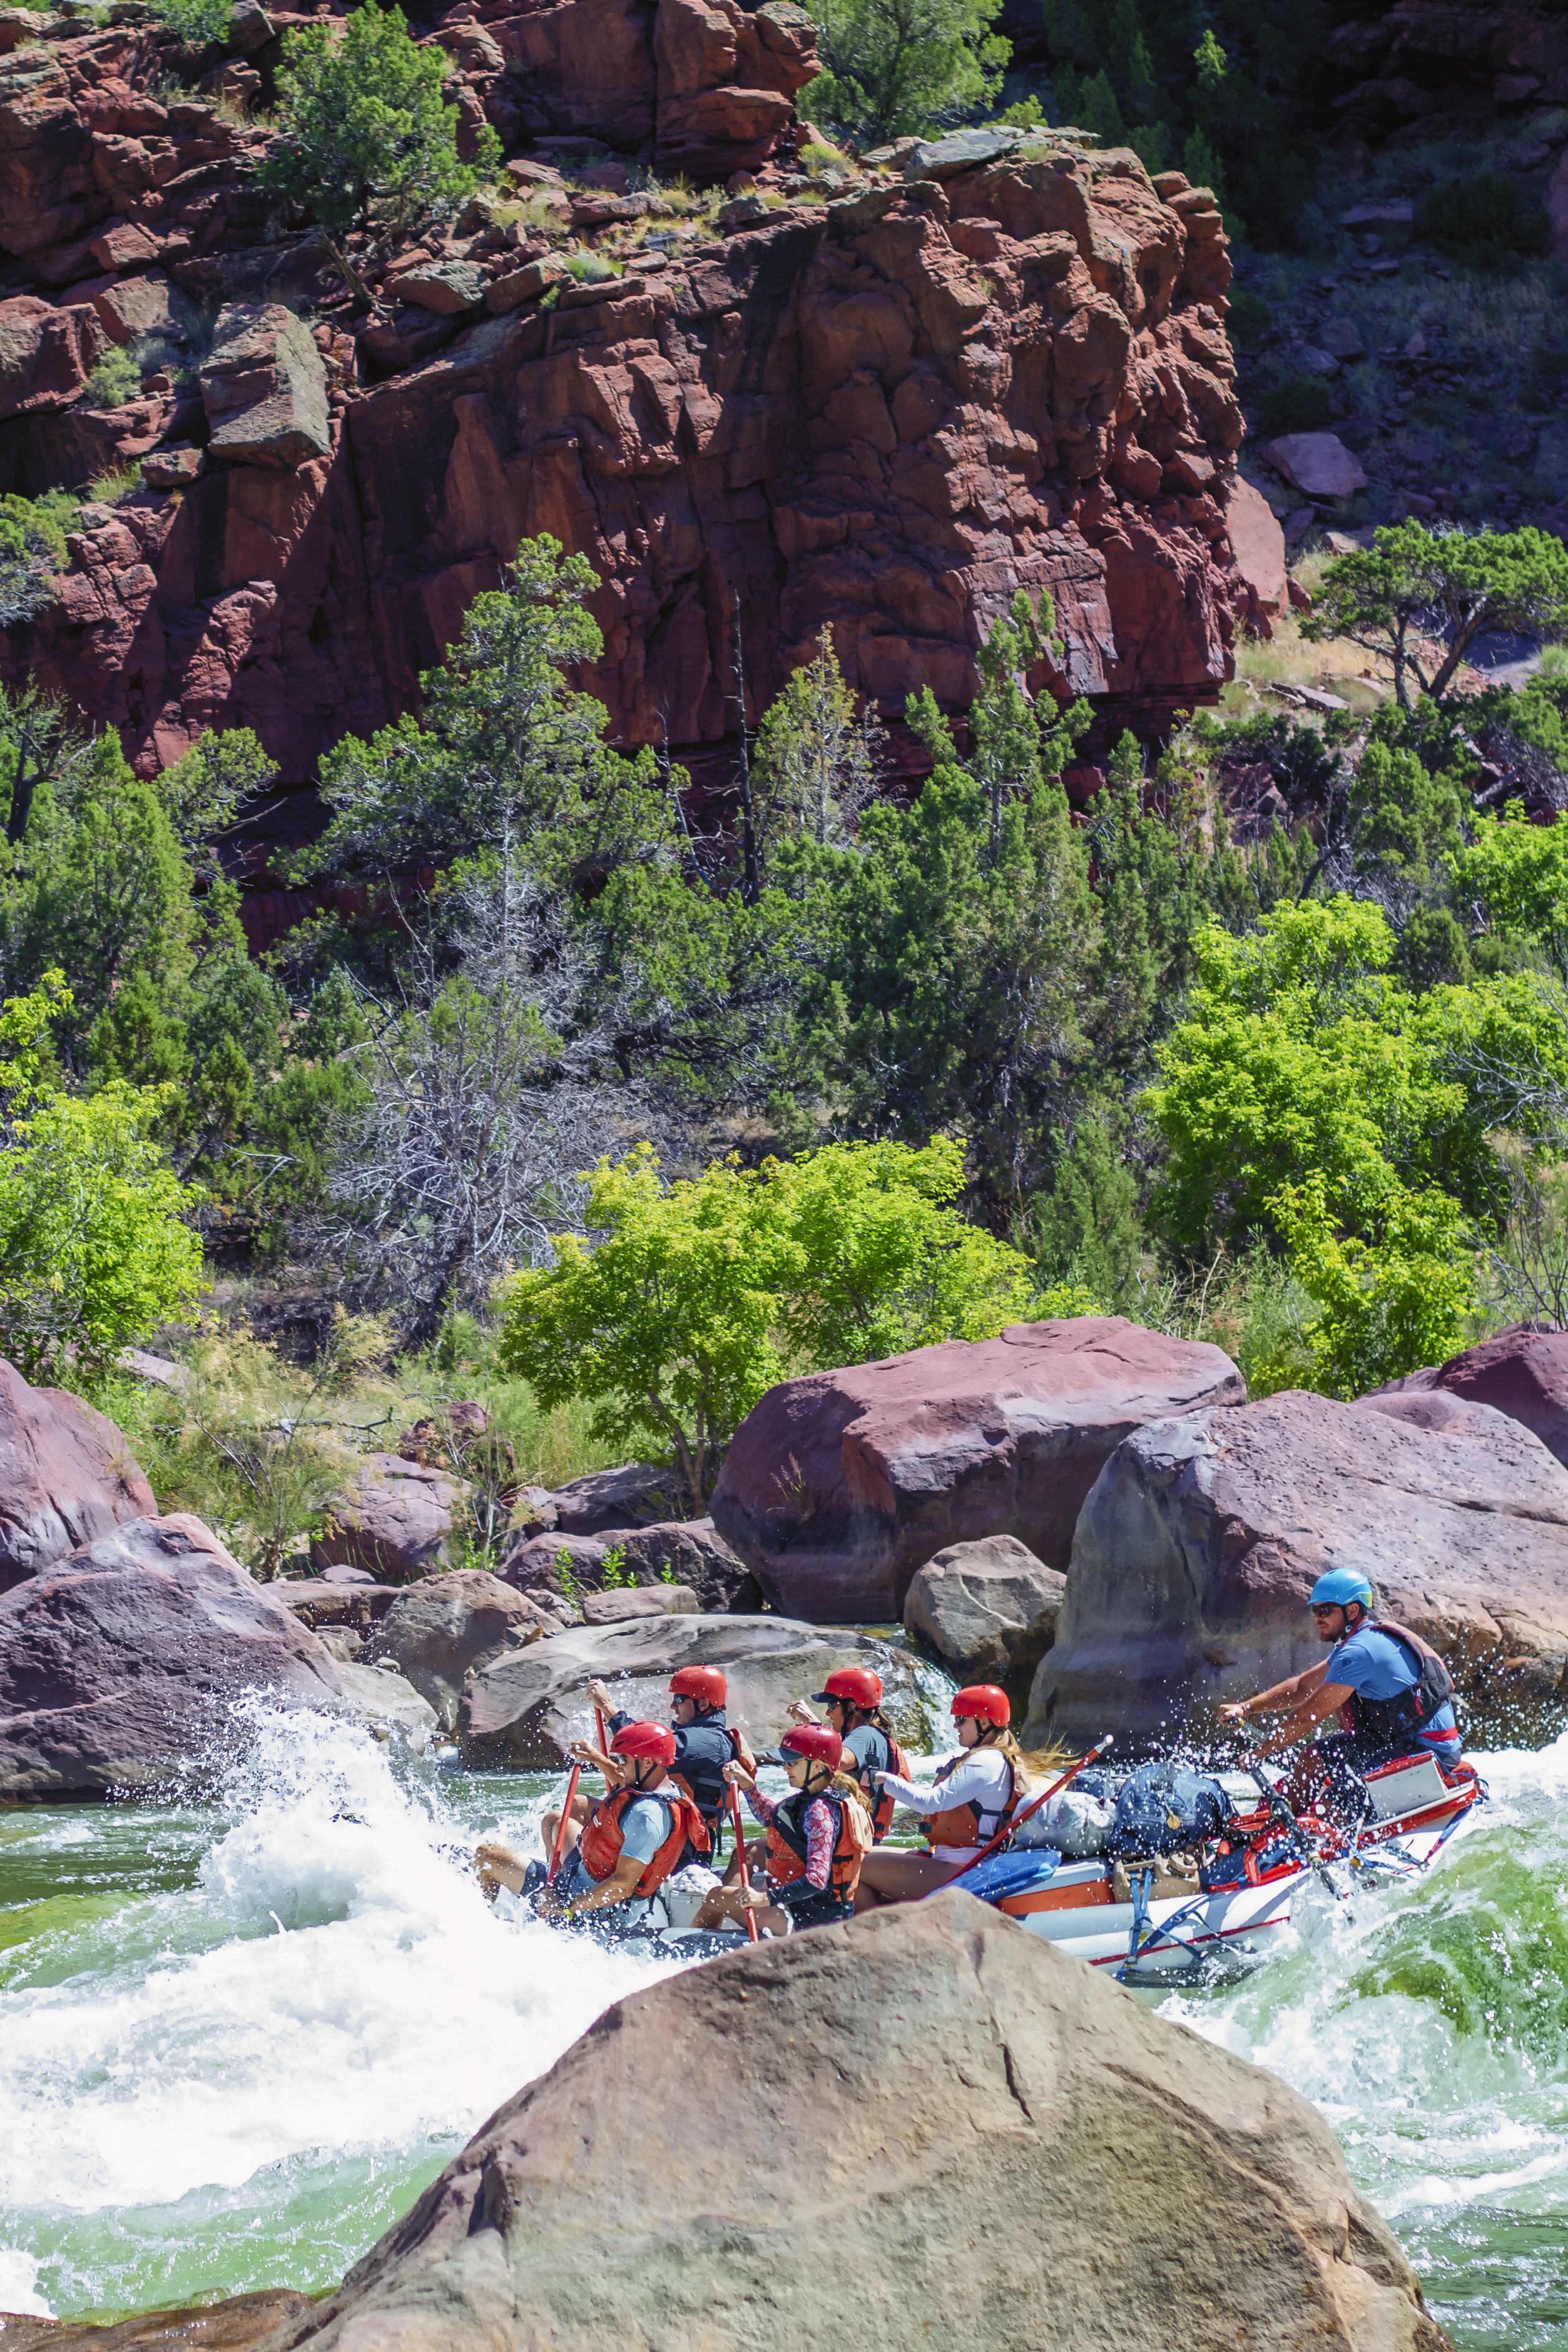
x,y
235,2045
1429,2023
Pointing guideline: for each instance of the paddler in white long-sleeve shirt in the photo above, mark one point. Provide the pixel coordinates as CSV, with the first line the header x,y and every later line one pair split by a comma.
x,y
973,1794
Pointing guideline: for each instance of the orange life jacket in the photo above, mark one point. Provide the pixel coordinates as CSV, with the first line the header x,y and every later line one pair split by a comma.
x,y
785,1860
602,1839
969,1825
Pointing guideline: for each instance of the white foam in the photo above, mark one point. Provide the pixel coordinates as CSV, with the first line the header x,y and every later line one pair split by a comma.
x,y
365,1997
19,2285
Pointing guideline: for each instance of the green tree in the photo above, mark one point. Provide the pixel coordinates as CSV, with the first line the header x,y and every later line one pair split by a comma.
x,y
898,66
95,1249
673,1324
1086,1230
1412,585
1390,1302
1518,873
365,134
815,765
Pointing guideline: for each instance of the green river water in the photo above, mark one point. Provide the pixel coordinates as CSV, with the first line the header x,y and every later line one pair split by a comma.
x,y
237,2040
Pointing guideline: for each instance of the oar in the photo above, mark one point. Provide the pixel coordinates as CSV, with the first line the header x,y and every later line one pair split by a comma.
x,y
1279,1812
740,1850
561,1824
603,1731
1036,1802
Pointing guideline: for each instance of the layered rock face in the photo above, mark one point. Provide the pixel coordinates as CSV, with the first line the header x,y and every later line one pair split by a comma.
x,y
881,416
1203,1536
122,1662
838,1487
993,2129
1522,1372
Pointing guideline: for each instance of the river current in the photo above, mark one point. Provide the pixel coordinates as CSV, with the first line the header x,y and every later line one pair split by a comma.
x,y
237,2038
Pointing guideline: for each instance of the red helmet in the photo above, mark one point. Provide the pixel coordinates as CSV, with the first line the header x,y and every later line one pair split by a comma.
x,y
815,1741
984,1701
706,1684
854,1686
652,1740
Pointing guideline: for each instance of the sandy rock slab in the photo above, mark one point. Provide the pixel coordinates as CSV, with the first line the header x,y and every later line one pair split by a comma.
x,y
1204,1535
1015,2155
124,1661
838,1487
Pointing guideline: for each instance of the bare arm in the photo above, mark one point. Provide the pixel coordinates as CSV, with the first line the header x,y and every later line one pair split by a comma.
x,y
1280,1700
1315,1708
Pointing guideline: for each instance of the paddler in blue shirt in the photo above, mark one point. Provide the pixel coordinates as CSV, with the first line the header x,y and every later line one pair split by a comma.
x,y
1390,1690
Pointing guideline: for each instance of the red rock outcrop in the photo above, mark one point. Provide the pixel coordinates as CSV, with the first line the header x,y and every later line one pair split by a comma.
x,y
882,416
1522,1372
67,1477
838,1487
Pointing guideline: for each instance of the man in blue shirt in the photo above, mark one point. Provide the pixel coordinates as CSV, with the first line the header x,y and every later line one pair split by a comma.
x,y
1391,1692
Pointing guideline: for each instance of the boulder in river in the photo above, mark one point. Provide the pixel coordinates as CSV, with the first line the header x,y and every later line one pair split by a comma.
x,y
524,1707
838,1487
635,1494
989,1609
927,2128
692,1549
1203,1536
394,1520
123,1661
1522,1372
438,1631
67,1476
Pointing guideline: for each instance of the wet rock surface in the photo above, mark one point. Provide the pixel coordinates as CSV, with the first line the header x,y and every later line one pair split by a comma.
x,y
838,1487
989,1609
932,2075
1204,1535
122,1662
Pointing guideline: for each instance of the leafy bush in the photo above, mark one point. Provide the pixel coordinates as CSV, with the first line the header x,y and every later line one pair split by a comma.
x,y
32,549
196,23
115,380
1487,222
1294,404
1251,320
591,268
898,66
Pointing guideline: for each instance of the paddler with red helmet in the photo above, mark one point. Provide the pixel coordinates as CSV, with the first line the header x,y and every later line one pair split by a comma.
x,y
640,1831
816,1838
704,1741
853,1698
974,1793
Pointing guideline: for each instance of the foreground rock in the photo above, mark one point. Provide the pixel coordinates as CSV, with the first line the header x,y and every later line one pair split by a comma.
x,y
394,1520
989,1609
67,1477
124,1661
525,1707
1522,1372
1028,2157
443,1630
244,2322
838,1488
1203,1536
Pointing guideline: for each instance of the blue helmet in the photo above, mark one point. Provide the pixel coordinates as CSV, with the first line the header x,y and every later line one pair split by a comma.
x,y
1339,1589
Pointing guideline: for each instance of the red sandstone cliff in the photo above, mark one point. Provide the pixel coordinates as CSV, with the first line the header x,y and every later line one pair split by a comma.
x,y
883,413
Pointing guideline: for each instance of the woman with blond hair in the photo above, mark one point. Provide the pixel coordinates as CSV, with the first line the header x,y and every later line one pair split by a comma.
x,y
975,1793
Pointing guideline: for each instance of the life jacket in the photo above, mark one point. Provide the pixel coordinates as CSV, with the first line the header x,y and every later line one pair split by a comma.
x,y
702,1752
601,1842
891,1758
968,1823
785,1860
1388,1722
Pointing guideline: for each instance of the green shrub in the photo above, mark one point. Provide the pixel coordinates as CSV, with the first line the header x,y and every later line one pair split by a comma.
x,y
1487,222
195,23
591,268
32,549
1251,320
1295,403
115,380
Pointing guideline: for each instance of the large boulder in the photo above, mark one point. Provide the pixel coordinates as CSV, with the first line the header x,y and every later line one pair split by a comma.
x,y
838,1487
394,1520
439,1632
67,1477
264,387
1522,1372
1012,2152
637,1495
1203,1536
526,1706
122,1662
989,1609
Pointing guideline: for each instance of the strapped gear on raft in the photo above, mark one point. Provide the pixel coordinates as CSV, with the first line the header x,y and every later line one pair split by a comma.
x,y
705,1685
599,1848
852,1686
650,1742
985,1702
1339,1589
